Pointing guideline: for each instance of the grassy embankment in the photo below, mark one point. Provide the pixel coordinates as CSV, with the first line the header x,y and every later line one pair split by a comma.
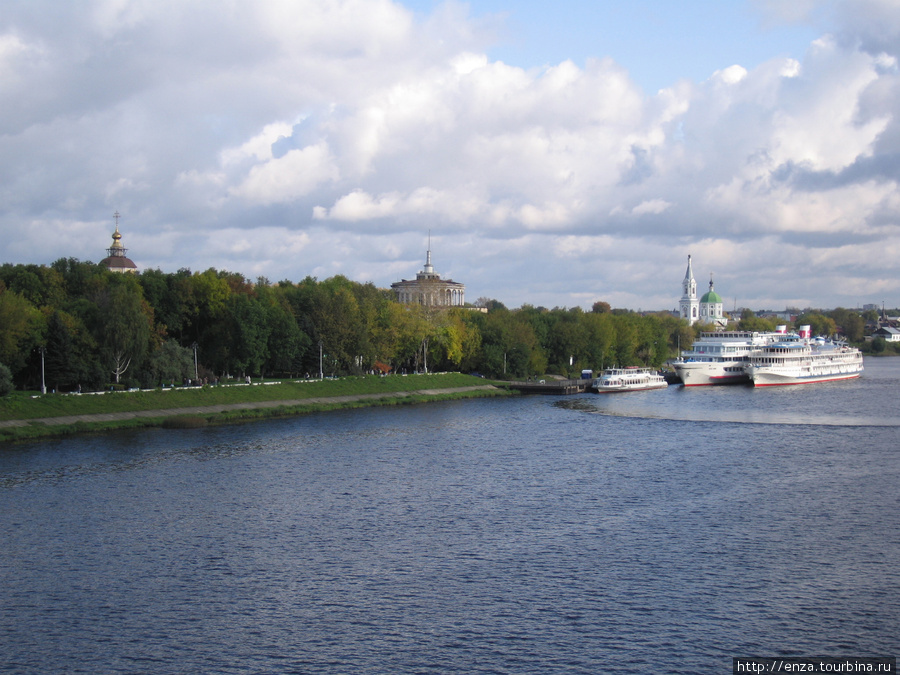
x,y
173,405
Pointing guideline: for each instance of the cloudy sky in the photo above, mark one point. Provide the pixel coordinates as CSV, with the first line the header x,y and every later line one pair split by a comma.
x,y
558,155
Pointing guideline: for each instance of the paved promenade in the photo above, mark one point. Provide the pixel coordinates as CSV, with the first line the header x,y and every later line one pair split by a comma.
x,y
212,409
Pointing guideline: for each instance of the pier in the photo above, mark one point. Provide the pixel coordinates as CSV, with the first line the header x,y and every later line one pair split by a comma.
x,y
551,386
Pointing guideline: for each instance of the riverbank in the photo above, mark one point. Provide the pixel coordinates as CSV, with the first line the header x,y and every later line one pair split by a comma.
x,y
29,417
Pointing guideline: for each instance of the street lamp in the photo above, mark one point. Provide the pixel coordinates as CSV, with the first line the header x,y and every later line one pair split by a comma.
x,y
196,374
320,360
43,382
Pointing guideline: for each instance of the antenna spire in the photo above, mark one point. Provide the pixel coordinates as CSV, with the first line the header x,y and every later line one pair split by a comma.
x,y
428,268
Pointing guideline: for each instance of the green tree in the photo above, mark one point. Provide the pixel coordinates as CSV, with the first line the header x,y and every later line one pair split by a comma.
x,y
79,278
819,323
335,315
171,363
627,340
452,339
652,348
510,346
249,333
849,323
750,322
71,354
123,331
601,340
6,381
21,328
41,285
209,291
287,344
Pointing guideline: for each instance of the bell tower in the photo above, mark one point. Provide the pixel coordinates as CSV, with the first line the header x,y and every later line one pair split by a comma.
x,y
689,306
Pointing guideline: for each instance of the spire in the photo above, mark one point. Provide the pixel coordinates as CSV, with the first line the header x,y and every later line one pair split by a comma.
x,y
710,283
689,285
117,249
428,268
116,260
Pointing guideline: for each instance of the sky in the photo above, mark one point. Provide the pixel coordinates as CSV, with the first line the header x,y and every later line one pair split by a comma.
x,y
556,155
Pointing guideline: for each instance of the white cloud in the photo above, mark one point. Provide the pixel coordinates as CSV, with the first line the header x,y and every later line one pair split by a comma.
x,y
347,129
654,206
289,177
260,146
730,75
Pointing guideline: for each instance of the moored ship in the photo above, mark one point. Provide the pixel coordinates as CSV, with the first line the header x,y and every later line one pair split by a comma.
x,y
720,357
800,359
615,380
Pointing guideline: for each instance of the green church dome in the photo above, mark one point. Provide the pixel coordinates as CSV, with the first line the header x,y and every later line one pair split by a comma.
x,y
710,297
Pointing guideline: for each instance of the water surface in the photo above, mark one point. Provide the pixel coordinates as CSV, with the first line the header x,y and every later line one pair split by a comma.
x,y
653,532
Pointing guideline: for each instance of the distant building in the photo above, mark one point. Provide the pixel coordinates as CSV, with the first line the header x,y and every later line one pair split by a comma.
x,y
711,307
429,289
708,309
785,317
889,334
115,258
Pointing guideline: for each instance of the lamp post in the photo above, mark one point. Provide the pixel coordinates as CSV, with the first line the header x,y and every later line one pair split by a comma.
x,y
196,373
43,381
320,360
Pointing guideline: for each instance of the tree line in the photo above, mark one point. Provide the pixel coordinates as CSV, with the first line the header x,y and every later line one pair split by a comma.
x,y
75,324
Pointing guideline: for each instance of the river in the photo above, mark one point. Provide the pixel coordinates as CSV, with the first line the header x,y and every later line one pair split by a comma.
x,y
662,531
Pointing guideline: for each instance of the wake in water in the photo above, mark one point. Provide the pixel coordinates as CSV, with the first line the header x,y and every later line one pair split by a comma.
x,y
749,408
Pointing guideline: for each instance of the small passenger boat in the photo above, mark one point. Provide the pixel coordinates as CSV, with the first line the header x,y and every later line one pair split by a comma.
x,y
628,379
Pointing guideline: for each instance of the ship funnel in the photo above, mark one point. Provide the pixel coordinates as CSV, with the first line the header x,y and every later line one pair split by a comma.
x,y
805,332
781,329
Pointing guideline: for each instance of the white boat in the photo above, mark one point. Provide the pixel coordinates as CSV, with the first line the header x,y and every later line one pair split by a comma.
x,y
628,379
720,357
799,359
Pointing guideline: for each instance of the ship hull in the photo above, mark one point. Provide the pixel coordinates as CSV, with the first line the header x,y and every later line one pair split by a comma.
x,y
703,374
774,379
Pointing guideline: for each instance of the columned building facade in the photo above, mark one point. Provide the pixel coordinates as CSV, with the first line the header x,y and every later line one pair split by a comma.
x,y
429,289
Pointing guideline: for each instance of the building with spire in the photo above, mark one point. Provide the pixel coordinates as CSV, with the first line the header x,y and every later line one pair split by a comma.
x,y
689,305
115,258
429,289
708,309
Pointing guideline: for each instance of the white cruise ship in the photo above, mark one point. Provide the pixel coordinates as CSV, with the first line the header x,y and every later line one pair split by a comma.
x,y
629,379
798,359
720,357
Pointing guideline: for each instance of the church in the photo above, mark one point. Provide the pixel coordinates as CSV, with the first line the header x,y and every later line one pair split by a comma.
x,y
429,289
708,309
115,258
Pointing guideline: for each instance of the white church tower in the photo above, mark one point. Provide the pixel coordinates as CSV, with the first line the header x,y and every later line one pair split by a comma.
x,y
689,305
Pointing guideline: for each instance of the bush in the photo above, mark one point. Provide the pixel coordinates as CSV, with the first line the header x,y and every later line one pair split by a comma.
x,y
6,383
